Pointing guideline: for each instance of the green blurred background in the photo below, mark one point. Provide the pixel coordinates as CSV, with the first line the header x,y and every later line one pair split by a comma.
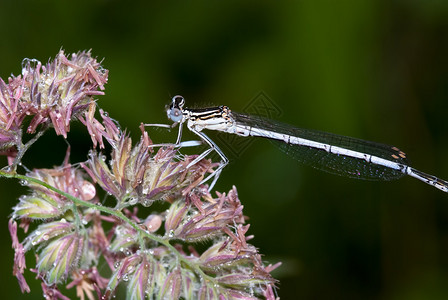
x,y
373,69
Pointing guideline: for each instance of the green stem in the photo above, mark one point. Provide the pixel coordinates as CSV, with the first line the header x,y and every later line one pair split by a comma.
x,y
22,148
115,213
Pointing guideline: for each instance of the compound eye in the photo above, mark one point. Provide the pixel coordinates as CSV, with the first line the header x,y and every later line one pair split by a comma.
x,y
175,114
178,101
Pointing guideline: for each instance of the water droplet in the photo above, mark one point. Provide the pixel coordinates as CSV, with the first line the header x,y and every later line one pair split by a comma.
x,y
28,64
101,70
23,182
171,234
125,277
133,200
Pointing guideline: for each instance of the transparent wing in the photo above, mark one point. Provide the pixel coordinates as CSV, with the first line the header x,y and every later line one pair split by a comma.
x,y
329,162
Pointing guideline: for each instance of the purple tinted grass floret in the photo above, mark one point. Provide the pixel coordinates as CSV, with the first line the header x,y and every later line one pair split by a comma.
x,y
52,95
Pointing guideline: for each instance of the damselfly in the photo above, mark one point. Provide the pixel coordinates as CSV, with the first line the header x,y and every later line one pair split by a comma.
x,y
336,154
